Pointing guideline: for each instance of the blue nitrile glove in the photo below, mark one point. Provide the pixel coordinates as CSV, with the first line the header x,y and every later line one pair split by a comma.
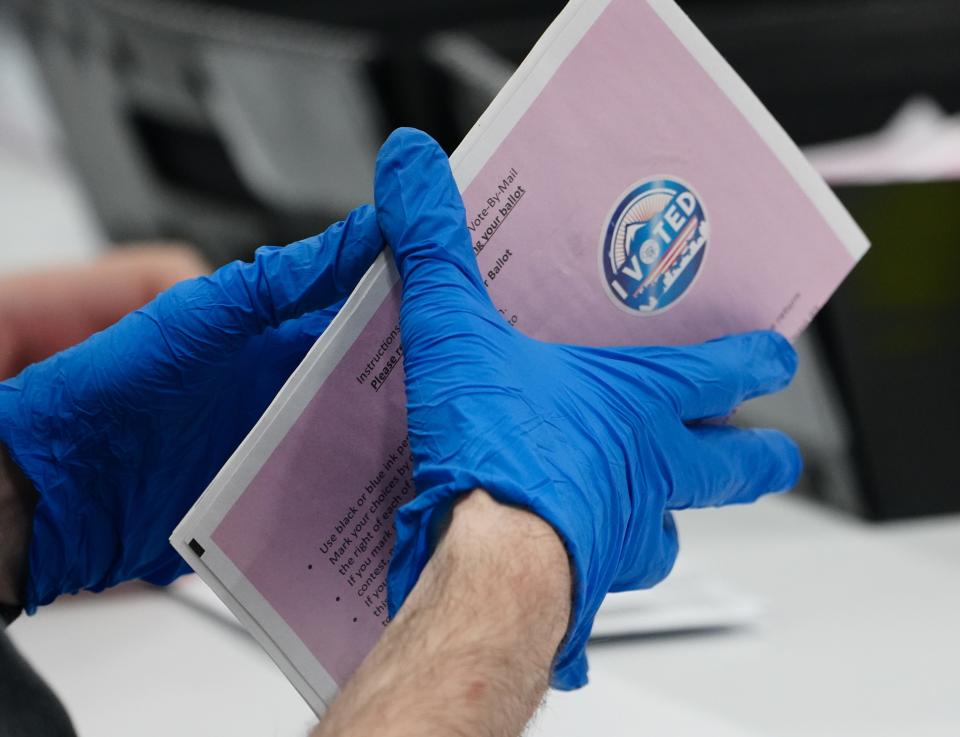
x,y
121,433
600,442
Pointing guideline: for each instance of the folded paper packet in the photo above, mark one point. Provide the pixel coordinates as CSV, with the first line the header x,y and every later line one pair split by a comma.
x,y
625,187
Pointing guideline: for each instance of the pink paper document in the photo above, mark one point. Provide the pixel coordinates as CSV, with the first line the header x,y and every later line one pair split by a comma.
x,y
625,187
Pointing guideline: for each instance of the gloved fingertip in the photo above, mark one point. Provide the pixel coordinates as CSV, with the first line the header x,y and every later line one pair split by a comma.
x,y
421,213
358,242
795,467
406,152
771,361
787,452
403,143
413,189
784,351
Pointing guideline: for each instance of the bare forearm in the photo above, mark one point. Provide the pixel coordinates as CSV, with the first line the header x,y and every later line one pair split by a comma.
x,y
471,649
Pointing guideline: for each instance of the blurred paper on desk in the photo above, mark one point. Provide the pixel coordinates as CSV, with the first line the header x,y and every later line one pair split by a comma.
x,y
625,187
920,143
685,602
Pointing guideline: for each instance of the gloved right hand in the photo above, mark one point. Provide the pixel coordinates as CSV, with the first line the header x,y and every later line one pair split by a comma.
x,y
600,442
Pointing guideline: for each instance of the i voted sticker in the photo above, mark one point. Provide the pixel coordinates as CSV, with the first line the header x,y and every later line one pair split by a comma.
x,y
653,245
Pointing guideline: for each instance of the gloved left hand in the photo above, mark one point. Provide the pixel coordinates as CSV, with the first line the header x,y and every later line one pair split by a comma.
x,y
121,433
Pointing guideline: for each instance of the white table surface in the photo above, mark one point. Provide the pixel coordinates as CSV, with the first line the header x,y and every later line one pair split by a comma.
x,y
861,637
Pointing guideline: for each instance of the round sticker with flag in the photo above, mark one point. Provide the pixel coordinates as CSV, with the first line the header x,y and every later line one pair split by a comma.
x,y
653,245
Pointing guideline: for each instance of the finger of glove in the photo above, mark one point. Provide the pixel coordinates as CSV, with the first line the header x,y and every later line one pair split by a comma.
x,y
219,313
654,559
422,218
730,465
711,379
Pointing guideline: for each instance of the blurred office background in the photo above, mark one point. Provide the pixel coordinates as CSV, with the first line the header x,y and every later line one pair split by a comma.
x,y
232,124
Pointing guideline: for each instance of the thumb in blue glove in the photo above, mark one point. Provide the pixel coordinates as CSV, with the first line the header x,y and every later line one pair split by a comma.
x,y
602,443
120,434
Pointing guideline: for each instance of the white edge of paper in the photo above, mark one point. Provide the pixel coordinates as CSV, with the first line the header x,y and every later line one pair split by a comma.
x,y
317,688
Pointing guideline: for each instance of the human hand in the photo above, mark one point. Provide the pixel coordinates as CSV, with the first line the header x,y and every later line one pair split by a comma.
x,y
120,434
602,443
44,312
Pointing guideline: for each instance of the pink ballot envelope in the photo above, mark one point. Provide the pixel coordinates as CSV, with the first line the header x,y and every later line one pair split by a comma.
x,y
625,187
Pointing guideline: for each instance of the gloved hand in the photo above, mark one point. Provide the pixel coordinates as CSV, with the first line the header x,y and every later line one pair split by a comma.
x,y
600,442
121,433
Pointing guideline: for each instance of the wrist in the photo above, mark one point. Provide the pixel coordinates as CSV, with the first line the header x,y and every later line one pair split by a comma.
x,y
498,585
513,565
17,501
